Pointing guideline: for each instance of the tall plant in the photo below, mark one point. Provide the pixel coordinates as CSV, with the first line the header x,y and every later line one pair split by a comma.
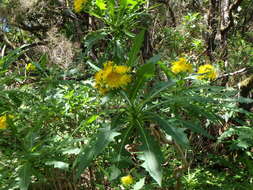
x,y
142,101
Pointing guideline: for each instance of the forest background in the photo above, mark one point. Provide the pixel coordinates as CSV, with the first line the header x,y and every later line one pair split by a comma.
x,y
126,94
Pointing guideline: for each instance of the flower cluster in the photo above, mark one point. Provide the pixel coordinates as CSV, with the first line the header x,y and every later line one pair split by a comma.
x,y
181,66
127,180
112,77
207,71
78,5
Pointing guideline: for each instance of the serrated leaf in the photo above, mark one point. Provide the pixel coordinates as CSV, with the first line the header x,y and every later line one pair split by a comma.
x,y
135,49
180,132
171,130
195,127
197,110
240,100
25,176
228,133
151,155
144,73
97,144
158,90
243,144
58,164
93,38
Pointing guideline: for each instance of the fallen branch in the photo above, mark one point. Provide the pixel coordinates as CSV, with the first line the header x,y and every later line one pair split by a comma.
x,y
234,73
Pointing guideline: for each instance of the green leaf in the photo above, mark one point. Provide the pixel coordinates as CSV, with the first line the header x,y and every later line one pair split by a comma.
x,y
15,96
11,57
147,70
123,4
124,136
91,119
144,73
183,136
135,49
101,4
71,151
43,60
244,137
228,133
242,144
97,144
30,140
195,127
165,69
114,172
171,130
58,164
139,185
111,6
93,66
151,155
128,33
242,100
129,4
163,86
93,38
197,110
25,176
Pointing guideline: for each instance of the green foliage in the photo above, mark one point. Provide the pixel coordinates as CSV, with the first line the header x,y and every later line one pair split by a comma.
x,y
151,155
243,139
133,54
25,175
61,133
139,110
30,142
119,21
204,178
90,151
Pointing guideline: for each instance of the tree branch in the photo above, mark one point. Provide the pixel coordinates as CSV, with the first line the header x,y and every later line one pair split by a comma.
x,y
241,71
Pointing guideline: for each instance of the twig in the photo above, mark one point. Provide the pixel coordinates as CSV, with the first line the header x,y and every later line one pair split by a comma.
x,y
232,74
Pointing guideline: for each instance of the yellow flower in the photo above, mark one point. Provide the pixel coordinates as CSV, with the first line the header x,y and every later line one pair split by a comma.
x,y
3,122
127,180
207,71
30,67
181,66
122,69
78,5
112,77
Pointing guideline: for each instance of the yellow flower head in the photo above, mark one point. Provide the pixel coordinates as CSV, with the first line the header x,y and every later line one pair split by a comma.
x,y
30,67
78,5
127,180
181,66
3,121
112,77
207,71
